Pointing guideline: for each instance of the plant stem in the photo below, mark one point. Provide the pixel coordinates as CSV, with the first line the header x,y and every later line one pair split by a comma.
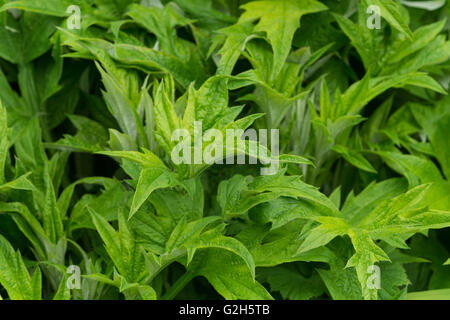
x,y
178,286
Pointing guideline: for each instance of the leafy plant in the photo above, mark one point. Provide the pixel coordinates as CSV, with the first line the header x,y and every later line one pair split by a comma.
x,y
95,115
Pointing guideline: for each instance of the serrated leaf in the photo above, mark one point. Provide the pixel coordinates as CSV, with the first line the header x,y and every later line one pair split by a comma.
x,y
279,20
228,274
150,180
14,276
391,12
27,39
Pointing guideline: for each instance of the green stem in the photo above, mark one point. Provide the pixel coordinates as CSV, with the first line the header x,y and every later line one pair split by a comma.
x,y
163,265
178,286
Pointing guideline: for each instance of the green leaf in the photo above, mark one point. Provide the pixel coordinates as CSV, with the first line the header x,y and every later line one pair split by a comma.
x,y
63,292
236,37
146,159
52,220
279,20
122,247
236,196
27,39
391,11
421,37
426,5
4,142
208,104
361,39
392,220
147,293
114,197
56,8
355,158
150,180
416,170
271,247
162,23
166,118
185,232
211,239
357,207
151,60
342,283
119,103
91,136
441,294
435,122
21,183
14,276
329,229
27,223
228,274
367,254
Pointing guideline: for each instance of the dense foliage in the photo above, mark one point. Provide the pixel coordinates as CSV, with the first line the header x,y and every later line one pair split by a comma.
x,y
359,207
